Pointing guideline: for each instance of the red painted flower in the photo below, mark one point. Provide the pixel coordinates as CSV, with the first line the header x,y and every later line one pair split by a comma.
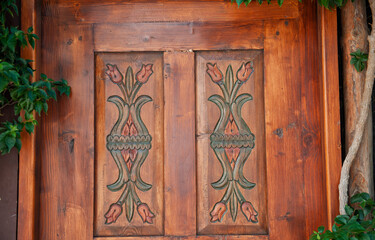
x,y
113,213
249,212
145,213
144,74
218,212
243,74
113,73
214,72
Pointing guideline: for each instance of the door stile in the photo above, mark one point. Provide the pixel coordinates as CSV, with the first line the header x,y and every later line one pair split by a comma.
x,y
67,151
179,148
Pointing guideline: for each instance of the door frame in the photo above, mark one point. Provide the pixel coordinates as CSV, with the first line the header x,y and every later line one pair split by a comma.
x,y
28,201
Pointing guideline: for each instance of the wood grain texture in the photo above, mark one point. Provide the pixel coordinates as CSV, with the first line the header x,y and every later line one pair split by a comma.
x,y
330,107
311,139
178,36
28,182
293,137
67,146
212,237
115,11
106,115
179,144
209,169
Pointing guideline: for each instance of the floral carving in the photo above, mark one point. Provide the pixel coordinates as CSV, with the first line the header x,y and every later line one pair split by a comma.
x,y
232,142
129,143
145,213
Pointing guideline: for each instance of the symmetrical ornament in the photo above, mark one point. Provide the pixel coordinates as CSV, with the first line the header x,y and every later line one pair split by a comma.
x,y
232,142
129,143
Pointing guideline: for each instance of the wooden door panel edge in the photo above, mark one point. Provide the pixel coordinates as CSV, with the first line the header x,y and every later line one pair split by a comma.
x,y
212,237
330,107
28,189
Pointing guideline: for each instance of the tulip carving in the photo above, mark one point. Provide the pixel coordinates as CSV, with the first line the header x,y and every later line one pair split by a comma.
x,y
114,74
113,213
129,143
145,213
232,141
218,212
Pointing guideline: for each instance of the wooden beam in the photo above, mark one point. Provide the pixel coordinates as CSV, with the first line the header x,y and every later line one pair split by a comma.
x,y
116,11
28,181
330,107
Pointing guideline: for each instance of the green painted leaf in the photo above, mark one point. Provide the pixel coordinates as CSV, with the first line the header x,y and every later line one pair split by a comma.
x,y
233,206
129,205
229,79
129,80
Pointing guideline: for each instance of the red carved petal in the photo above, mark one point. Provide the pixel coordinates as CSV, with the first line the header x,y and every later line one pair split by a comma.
x,y
126,130
231,128
133,154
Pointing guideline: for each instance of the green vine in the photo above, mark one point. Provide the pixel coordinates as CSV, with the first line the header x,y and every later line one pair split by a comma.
x,y
16,90
356,224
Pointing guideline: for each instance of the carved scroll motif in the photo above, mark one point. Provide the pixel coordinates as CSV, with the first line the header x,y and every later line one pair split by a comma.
x,y
129,143
232,142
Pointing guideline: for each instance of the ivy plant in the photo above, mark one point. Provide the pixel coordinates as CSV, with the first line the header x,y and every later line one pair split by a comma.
x,y
356,224
358,60
16,90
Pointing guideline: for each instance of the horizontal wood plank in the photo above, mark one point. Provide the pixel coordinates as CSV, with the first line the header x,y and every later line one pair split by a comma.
x,y
115,11
211,237
178,36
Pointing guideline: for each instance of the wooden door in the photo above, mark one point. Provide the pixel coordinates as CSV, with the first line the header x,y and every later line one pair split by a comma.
x,y
187,120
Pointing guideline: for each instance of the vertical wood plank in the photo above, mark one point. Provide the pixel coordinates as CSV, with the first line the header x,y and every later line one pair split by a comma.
x,y
67,147
330,107
179,148
311,142
27,177
285,164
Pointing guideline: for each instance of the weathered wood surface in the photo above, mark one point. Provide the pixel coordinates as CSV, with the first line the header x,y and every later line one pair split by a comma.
x,y
354,37
67,136
117,11
179,144
301,145
158,36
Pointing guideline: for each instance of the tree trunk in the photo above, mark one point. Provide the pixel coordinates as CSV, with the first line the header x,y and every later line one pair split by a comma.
x,y
354,36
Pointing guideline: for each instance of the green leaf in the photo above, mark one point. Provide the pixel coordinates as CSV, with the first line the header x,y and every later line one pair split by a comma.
x,y
10,142
349,210
29,126
38,107
321,229
239,2
18,144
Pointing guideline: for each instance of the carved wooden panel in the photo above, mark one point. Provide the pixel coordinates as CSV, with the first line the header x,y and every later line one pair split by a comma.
x,y
231,169
129,144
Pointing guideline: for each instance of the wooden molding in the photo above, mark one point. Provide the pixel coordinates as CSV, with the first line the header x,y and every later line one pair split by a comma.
x,y
27,190
330,106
